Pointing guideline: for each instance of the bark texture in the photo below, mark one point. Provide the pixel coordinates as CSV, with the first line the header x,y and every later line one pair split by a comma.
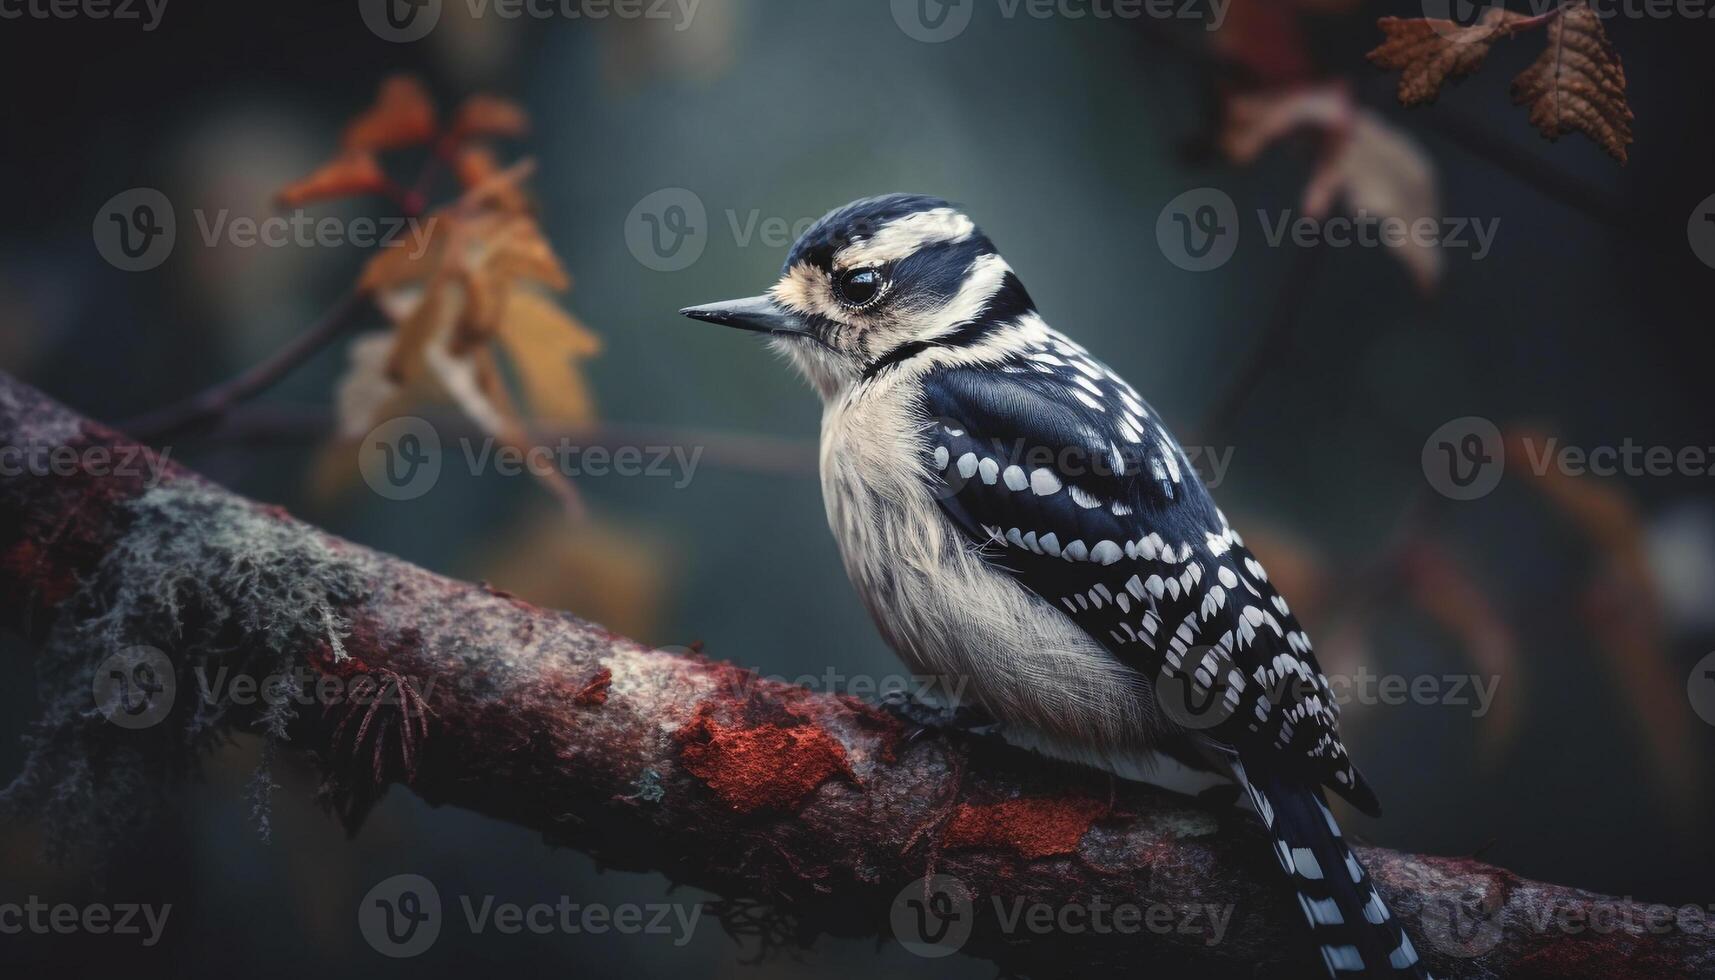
x,y
814,812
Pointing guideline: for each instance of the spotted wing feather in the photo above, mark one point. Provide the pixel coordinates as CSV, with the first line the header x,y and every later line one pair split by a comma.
x,y
1068,481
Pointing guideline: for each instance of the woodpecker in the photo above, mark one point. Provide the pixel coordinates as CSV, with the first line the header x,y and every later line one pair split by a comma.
x,y
1015,515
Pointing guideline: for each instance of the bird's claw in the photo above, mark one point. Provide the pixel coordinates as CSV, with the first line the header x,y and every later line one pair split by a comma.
x,y
922,717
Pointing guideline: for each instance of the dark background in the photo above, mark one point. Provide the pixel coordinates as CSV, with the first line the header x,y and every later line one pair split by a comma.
x,y
1064,139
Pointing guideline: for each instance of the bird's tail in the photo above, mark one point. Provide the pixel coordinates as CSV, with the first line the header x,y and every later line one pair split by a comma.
x,y
1352,927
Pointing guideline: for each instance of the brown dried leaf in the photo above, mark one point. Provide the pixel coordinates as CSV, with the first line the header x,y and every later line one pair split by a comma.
x,y
402,115
1428,52
1577,84
348,175
485,116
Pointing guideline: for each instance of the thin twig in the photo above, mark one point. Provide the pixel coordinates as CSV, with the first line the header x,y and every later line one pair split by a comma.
x,y
209,405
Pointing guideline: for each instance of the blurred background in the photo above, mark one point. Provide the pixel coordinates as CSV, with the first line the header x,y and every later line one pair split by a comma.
x,y
676,154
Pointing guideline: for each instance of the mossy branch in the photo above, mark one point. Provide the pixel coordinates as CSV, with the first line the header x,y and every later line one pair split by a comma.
x,y
815,805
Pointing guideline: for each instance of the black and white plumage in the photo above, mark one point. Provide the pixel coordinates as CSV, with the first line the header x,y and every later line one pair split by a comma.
x,y
1014,514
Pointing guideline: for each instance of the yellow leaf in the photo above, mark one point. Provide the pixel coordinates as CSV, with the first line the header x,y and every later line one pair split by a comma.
x,y
544,344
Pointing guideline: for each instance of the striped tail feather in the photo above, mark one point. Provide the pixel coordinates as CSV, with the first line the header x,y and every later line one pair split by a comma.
x,y
1353,929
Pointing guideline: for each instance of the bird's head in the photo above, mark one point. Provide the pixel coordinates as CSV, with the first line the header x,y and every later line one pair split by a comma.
x,y
877,281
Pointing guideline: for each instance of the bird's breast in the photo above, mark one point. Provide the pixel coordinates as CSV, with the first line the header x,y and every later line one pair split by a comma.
x,y
971,629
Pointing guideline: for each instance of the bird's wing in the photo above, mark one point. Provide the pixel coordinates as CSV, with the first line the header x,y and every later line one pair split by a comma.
x,y
1068,481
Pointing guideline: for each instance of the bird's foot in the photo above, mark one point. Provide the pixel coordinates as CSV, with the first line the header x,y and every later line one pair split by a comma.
x,y
922,716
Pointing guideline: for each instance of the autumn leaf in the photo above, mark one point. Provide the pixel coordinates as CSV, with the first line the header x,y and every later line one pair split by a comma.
x,y
347,175
1364,164
1428,52
465,296
484,117
546,344
403,115
1577,84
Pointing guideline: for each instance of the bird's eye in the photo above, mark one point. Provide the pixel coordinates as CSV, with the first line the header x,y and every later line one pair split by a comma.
x,y
859,287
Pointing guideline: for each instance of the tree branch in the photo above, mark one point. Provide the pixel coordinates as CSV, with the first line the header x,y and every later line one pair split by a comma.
x,y
817,804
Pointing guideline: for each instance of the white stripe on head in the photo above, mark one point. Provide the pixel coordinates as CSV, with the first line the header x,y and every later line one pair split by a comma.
x,y
902,237
982,281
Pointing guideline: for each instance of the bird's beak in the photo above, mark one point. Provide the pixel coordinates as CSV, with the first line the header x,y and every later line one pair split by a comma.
x,y
757,313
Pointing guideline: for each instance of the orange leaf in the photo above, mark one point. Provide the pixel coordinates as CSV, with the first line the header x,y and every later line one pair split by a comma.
x,y
1577,84
484,116
1428,52
402,115
347,175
